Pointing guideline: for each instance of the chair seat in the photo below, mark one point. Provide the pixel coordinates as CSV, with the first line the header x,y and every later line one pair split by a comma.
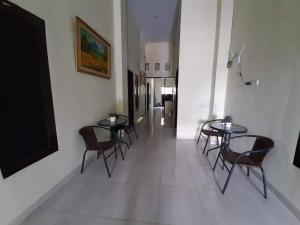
x,y
211,133
230,156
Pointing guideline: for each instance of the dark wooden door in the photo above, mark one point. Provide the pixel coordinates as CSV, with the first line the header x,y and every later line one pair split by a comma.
x,y
148,96
130,97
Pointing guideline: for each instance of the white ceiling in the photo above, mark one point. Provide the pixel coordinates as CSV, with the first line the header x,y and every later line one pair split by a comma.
x,y
154,17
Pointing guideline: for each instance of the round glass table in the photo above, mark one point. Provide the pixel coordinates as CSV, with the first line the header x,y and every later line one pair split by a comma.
x,y
234,128
114,125
226,133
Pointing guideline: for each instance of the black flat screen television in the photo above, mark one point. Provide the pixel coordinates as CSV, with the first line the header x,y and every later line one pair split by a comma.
x,y
297,154
27,124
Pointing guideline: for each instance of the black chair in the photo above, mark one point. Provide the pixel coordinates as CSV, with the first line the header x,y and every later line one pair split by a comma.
x,y
127,128
252,158
206,133
92,144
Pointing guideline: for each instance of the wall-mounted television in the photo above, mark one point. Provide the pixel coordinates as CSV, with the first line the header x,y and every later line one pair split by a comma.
x,y
27,124
297,154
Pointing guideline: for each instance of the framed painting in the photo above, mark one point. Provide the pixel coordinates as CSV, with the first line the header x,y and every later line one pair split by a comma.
x,y
93,52
167,67
157,66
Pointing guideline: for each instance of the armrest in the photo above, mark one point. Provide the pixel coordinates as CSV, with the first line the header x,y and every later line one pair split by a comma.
x,y
211,121
120,115
245,135
249,152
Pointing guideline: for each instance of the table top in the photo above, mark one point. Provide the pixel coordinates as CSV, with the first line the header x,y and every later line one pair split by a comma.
x,y
235,128
106,122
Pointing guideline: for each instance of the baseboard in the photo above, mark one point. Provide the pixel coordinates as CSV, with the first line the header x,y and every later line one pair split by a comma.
x,y
27,212
283,199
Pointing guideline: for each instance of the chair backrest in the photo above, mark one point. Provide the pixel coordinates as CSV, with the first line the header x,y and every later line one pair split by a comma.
x,y
126,118
89,137
204,125
261,143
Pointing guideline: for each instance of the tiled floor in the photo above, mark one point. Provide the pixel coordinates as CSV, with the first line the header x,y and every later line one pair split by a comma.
x,y
161,181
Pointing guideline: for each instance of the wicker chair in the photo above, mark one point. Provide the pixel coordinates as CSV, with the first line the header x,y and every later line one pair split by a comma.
x,y
92,144
127,128
206,133
252,158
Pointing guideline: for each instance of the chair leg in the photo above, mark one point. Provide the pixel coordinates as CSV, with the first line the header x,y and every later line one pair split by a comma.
x,y
248,171
120,148
105,162
211,149
228,178
98,154
199,138
223,164
264,182
217,160
205,144
83,159
128,135
116,153
121,141
136,136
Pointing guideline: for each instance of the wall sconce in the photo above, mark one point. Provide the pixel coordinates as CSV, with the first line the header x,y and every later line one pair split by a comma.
x,y
235,59
248,83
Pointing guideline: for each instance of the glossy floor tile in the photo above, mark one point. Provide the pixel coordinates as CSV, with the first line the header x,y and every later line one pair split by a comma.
x,y
162,181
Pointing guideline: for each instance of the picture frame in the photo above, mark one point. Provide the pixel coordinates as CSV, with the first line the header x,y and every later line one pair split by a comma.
x,y
167,67
93,52
146,66
142,78
157,66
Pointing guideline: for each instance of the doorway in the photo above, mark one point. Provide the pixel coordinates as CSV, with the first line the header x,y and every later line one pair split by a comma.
x,y
161,95
130,98
148,97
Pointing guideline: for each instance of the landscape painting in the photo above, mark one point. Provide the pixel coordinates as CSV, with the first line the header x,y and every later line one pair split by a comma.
x,y
93,52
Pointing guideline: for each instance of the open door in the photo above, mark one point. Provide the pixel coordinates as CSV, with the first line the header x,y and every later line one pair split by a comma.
x,y
130,98
176,98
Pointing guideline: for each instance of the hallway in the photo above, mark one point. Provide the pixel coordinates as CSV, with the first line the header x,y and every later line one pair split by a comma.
x,y
161,181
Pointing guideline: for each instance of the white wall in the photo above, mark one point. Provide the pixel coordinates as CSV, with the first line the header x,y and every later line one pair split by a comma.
x,y
79,99
175,39
142,51
271,31
197,35
158,52
143,88
151,86
135,57
120,54
205,29
222,46
133,43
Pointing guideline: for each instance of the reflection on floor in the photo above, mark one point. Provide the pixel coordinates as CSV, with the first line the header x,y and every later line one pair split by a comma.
x,y
161,181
